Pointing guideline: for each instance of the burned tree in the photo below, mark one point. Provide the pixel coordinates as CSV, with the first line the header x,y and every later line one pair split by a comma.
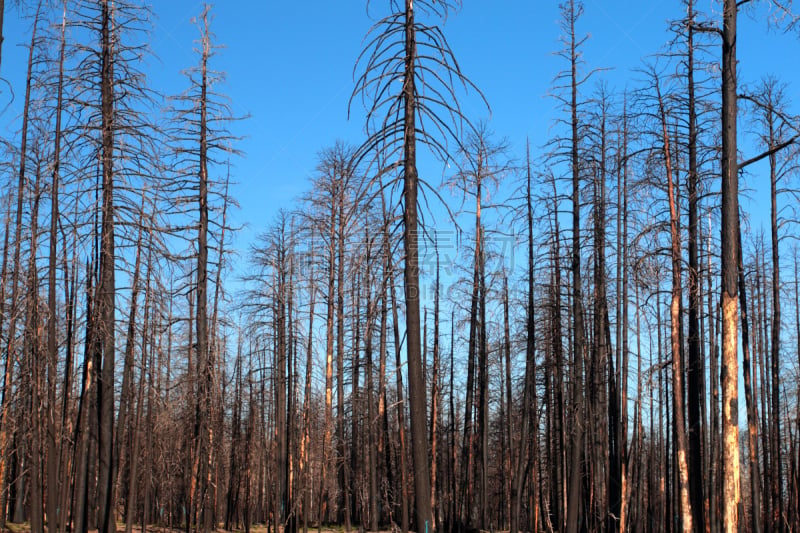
x,y
407,84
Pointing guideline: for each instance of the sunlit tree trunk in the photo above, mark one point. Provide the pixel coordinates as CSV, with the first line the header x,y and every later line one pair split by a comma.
x,y
729,372
675,331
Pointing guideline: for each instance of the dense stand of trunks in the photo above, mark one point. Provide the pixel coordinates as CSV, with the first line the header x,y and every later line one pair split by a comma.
x,y
377,369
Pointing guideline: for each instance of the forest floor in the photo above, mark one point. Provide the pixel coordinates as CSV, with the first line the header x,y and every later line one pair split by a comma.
x,y
259,528
26,528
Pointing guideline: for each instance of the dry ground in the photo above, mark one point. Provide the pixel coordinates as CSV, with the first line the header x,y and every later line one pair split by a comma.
x,y
25,528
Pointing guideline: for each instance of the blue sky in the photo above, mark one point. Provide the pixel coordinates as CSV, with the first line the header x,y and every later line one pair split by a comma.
x,y
290,68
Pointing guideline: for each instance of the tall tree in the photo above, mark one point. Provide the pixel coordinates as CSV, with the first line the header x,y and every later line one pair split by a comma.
x,y
10,348
395,62
570,81
485,165
729,372
695,365
105,328
676,323
55,485
770,103
201,142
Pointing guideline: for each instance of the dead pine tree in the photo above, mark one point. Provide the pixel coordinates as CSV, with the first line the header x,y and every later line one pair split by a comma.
x,y
407,108
116,141
14,310
603,375
695,361
527,447
675,319
330,213
769,102
400,405
106,290
485,164
729,372
201,143
54,442
569,149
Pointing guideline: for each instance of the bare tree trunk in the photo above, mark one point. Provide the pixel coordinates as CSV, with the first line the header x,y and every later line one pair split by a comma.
x,y
352,464
54,442
327,439
731,495
135,450
416,383
8,375
776,469
69,425
234,478
343,504
578,343
372,463
290,520
106,288
529,388
752,410
560,488
306,438
401,419
675,331
467,447
483,387
126,395
695,367
604,360
454,513
383,413
3,278
506,405
31,360
622,326
390,290
795,455
760,383
714,433
434,440
80,503
148,466
205,370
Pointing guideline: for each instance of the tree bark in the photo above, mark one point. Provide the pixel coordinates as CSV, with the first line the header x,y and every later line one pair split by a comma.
x,y
54,443
106,289
731,495
695,366
416,383
776,469
578,343
675,331
8,375
752,410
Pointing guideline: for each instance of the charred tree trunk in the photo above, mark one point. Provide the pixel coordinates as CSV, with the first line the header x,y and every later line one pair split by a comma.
x,y
8,375
578,418
54,442
529,387
729,372
776,470
416,383
675,332
106,288
752,410
695,367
